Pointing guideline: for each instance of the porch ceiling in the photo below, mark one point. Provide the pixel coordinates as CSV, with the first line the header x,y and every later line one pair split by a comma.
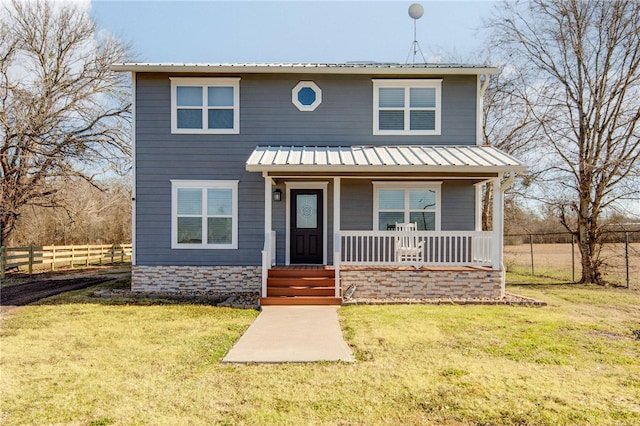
x,y
403,158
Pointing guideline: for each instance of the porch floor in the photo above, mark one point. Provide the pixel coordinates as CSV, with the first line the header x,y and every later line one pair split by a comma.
x,y
302,267
382,268
413,268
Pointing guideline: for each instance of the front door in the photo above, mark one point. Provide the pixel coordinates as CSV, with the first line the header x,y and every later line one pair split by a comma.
x,y
306,226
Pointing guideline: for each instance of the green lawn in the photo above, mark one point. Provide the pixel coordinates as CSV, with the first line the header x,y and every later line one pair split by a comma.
x,y
575,361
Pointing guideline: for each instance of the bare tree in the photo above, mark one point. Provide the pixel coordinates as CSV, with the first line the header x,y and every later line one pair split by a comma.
x,y
63,112
508,124
584,57
90,215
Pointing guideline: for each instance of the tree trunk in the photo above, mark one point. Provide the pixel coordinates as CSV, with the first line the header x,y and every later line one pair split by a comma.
x,y
7,226
589,243
590,264
487,209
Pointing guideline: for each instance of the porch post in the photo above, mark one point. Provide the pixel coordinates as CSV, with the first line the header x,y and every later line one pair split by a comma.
x,y
336,233
266,257
498,227
478,187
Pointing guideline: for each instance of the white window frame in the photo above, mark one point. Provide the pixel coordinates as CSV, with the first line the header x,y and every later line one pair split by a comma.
x,y
204,185
406,187
407,85
306,84
204,83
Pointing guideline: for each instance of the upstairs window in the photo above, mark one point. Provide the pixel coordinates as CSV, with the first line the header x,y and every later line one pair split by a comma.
x,y
406,107
306,96
205,105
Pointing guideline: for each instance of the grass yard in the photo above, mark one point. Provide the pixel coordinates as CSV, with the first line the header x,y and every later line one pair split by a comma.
x,y
575,361
554,260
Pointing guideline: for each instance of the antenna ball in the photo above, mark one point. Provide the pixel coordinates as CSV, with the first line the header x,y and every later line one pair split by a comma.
x,y
416,11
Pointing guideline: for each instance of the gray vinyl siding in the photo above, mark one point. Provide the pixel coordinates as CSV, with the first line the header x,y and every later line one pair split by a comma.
x,y
458,206
267,116
357,205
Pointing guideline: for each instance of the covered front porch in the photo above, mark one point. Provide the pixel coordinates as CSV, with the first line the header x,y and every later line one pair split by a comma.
x,y
370,247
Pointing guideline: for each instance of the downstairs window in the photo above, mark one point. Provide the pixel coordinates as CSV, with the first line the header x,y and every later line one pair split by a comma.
x,y
407,202
204,214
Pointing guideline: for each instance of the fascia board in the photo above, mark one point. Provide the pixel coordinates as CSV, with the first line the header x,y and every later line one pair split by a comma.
x,y
303,69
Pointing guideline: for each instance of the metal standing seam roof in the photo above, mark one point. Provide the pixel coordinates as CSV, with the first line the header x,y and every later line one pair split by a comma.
x,y
377,68
423,158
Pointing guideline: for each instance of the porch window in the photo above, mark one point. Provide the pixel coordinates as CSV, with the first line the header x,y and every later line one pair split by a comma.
x,y
205,105
204,214
406,107
409,202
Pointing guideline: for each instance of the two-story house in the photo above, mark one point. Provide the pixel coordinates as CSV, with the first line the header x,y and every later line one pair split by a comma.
x,y
305,181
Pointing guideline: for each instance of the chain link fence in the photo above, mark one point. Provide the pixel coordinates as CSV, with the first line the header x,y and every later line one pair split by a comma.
x,y
556,255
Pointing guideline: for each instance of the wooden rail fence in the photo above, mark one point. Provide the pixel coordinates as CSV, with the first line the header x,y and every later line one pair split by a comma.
x,y
53,256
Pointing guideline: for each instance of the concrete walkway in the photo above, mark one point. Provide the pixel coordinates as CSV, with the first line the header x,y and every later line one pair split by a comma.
x,y
292,334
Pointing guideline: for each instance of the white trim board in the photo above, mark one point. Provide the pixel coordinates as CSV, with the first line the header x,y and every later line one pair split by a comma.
x,y
324,186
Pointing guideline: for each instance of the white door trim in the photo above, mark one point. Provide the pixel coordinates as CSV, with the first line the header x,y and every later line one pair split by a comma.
x,y
306,185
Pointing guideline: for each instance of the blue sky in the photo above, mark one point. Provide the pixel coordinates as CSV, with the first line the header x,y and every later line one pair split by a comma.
x,y
293,31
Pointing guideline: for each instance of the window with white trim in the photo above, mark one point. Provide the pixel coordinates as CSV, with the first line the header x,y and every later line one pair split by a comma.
x,y
204,214
205,105
406,107
306,96
407,202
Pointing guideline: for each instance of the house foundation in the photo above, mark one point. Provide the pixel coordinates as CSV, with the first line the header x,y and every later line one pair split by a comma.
x,y
422,283
369,282
183,280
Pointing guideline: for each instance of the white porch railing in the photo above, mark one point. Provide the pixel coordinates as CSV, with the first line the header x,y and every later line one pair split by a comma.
x,y
268,258
446,248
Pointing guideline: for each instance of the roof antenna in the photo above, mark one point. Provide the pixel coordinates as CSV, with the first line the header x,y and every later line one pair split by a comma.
x,y
415,12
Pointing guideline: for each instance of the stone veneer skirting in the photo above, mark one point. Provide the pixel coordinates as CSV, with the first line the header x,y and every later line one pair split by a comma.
x,y
463,283
196,279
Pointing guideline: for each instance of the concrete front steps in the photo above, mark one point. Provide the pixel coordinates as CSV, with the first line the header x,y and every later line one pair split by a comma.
x,y
301,285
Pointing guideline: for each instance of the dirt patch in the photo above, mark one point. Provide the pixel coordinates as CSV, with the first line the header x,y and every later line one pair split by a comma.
x,y
24,294
17,278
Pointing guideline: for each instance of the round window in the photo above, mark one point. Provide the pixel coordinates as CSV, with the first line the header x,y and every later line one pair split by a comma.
x,y
306,96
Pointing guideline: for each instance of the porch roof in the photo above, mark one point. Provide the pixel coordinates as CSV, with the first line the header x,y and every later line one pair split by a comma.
x,y
403,158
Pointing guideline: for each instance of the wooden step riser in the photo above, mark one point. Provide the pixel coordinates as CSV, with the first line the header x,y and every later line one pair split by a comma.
x,y
301,282
298,273
265,301
295,291
301,286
